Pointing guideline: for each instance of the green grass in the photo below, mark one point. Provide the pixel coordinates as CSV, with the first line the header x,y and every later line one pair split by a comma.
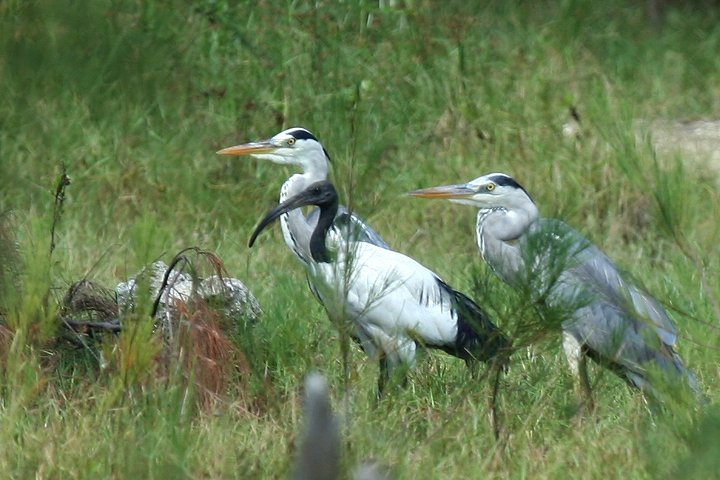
x,y
132,99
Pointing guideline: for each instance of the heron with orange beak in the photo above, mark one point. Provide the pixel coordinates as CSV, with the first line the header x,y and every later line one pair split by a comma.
x,y
606,317
297,146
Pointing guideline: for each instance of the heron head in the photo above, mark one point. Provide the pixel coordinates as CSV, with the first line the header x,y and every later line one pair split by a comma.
x,y
294,146
489,191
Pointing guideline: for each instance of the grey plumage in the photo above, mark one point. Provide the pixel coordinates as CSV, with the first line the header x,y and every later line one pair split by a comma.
x,y
602,314
614,321
356,227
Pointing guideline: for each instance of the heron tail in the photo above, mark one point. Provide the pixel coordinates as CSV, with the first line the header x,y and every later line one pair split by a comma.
x,y
690,380
672,372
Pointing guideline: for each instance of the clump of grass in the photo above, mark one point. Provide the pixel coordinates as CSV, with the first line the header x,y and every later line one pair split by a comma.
x,y
9,262
199,338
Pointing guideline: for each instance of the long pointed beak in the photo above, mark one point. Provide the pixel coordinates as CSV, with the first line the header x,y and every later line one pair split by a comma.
x,y
445,191
248,149
297,201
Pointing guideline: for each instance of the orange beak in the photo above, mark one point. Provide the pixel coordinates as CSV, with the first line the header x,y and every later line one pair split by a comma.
x,y
248,149
445,191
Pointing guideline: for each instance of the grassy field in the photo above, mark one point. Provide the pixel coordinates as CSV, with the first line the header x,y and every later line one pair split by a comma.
x,y
131,99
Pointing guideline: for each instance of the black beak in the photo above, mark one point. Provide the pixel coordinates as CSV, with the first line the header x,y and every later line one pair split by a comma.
x,y
300,200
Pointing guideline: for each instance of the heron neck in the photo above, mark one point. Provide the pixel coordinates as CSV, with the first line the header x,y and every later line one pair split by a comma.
x,y
318,248
295,227
316,171
498,235
296,184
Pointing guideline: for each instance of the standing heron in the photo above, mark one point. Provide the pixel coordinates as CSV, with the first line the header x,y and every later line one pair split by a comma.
x,y
606,318
392,303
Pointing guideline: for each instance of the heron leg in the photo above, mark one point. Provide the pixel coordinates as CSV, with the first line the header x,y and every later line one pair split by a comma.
x,y
495,368
473,367
586,390
391,372
494,413
383,377
577,360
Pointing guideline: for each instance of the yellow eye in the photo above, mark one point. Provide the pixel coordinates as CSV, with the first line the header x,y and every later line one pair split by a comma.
x,y
291,141
490,187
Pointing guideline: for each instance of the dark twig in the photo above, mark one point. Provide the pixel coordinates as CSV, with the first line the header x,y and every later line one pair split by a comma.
x,y
82,327
181,256
494,414
63,182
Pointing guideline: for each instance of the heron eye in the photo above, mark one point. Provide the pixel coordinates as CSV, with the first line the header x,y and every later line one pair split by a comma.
x,y
291,141
490,187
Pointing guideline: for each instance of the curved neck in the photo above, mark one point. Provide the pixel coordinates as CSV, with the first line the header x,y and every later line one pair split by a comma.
x,y
295,227
315,171
507,225
318,249
498,233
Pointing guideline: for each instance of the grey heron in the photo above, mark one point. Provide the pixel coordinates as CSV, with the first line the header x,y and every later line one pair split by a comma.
x,y
611,320
297,146
392,302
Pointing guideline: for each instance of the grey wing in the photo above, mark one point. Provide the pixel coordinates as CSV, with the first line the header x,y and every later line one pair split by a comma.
x,y
627,327
587,275
611,336
599,270
616,320
347,220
